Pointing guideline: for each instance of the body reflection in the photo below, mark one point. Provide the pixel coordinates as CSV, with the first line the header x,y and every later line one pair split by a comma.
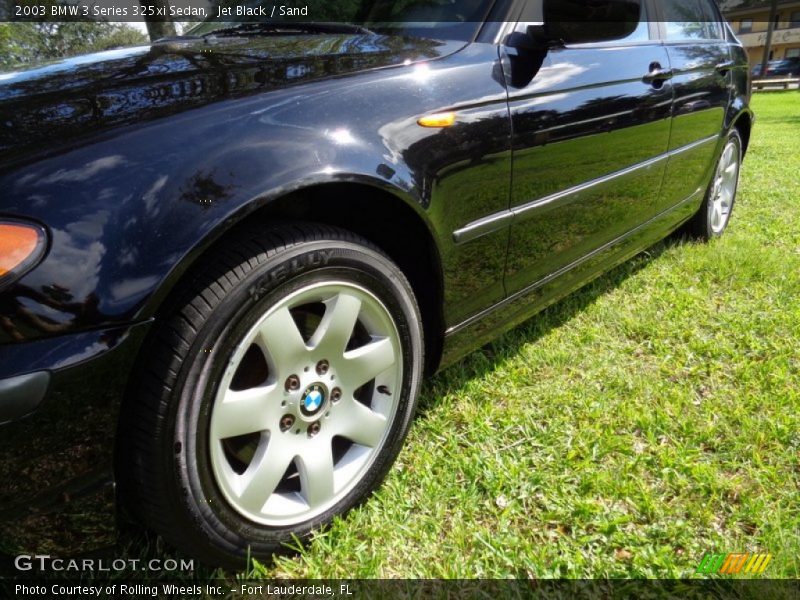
x,y
138,84
577,112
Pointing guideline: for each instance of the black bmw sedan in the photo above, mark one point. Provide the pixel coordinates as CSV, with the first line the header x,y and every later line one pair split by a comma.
x,y
228,259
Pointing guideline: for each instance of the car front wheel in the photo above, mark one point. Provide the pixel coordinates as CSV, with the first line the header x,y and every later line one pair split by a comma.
x,y
276,394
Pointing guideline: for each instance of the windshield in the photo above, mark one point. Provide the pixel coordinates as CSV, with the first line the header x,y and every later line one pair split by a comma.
x,y
440,19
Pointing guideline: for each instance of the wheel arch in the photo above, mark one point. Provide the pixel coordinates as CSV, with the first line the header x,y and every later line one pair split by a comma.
x,y
740,116
387,217
744,124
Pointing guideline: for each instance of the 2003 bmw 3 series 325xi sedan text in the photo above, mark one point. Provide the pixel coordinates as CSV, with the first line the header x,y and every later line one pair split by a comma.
x,y
228,259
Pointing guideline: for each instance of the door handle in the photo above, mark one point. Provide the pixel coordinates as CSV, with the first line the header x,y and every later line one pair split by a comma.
x,y
724,68
657,75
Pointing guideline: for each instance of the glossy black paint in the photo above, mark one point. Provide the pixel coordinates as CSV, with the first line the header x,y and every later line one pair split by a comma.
x,y
137,161
579,112
702,92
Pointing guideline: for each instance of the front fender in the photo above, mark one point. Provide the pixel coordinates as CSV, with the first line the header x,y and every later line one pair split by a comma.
x,y
128,216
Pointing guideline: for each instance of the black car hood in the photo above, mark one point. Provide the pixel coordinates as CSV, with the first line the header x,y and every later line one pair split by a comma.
x,y
45,107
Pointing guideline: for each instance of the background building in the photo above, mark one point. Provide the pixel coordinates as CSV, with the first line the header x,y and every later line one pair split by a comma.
x,y
750,20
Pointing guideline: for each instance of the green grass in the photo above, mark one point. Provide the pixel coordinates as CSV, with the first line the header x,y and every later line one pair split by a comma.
x,y
625,431
645,420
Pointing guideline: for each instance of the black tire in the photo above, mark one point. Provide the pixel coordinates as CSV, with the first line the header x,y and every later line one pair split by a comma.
x,y
702,226
164,466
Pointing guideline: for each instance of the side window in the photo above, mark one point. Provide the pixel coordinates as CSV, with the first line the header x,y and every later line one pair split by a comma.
x,y
605,17
691,20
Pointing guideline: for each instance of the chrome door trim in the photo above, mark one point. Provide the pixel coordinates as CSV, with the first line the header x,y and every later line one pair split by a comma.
x,y
499,220
563,270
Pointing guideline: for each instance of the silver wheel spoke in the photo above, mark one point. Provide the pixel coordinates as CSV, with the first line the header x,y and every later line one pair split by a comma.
x,y
725,201
727,157
338,323
716,216
316,473
264,475
279,338
243,412
358,423
726,197
364,364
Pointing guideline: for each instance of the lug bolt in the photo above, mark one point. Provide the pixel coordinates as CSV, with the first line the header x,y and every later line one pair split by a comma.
x,y
322,367
313,429
336,394
286,422
292,383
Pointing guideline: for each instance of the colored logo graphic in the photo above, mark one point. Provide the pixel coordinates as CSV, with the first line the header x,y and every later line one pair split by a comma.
x,y
313,399
733,563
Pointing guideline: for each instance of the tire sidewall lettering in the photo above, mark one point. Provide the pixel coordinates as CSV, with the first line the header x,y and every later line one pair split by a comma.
x,y
281,273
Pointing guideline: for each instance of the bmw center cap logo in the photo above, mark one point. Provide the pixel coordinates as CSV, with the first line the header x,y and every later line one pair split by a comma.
x,y
313,399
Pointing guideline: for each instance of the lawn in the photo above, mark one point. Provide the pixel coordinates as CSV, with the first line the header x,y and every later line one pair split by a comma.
x,y
624,432
641,422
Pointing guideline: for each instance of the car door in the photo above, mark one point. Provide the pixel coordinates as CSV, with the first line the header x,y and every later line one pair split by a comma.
x,y
591,129
701,64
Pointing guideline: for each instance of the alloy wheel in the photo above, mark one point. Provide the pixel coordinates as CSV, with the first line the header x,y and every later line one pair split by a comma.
x,y
726,181
305,404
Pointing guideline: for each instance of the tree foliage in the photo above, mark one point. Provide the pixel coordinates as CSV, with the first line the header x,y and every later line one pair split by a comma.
x,y
22,43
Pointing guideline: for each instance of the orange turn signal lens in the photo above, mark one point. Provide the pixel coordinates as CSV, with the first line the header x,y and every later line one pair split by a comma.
x,y
20,246
438,120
